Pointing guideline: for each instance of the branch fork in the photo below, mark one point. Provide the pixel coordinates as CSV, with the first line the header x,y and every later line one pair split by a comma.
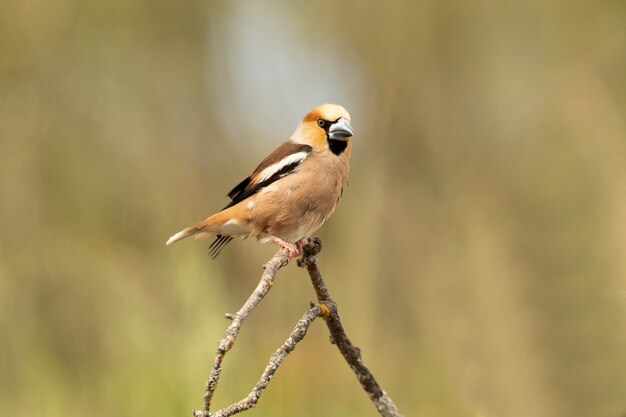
x,y
326,308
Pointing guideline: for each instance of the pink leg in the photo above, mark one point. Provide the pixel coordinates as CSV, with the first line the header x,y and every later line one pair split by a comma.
x,y
294,250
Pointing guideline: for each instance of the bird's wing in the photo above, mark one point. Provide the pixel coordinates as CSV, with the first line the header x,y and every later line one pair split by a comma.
x,y
280,163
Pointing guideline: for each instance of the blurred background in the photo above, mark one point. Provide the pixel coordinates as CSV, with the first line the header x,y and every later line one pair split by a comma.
x,y
478,255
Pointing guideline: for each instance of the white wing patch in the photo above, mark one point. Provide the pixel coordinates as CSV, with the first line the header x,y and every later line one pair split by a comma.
x,y
274,168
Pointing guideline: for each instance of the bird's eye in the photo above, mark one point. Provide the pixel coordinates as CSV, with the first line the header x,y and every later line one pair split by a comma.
x,y
321,122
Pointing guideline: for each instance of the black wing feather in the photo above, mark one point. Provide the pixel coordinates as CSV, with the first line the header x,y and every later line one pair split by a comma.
x,y
284,171
239,188
218,244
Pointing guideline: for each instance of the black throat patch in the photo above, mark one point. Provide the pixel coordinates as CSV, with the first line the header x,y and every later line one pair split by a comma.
x,y
337,146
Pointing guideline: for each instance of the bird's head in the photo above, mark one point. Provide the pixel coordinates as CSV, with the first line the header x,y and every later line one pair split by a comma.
x,y
325,126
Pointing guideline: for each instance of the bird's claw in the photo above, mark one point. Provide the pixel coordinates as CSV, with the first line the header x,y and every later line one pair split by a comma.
x,y
293,250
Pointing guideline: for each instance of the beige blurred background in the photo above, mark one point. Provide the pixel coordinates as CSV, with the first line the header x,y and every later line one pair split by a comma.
x,y
478,255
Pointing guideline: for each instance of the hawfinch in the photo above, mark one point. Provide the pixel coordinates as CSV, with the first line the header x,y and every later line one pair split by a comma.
x,y
292,191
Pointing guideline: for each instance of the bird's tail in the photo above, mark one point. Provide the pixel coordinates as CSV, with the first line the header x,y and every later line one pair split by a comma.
x,y
202,229
182,234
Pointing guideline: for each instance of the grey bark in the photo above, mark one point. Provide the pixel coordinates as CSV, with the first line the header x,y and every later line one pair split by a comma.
x,y
327,309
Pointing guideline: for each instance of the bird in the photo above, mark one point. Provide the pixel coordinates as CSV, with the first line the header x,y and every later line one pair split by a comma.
x,y
292,192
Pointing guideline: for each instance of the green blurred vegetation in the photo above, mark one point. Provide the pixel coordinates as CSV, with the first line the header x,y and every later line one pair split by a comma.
x,y
478,255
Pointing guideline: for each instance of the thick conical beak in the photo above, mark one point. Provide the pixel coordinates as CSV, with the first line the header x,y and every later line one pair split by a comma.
x,y
340,130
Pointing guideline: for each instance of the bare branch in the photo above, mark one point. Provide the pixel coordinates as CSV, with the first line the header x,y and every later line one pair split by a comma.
x,y
351,353
327,309
276,359
226,343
